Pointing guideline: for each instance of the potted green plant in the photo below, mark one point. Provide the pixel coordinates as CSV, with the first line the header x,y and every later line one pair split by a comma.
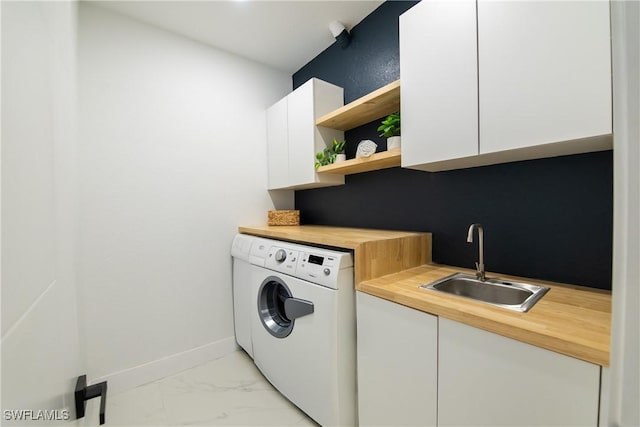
x,y
332,154
325,157
390,128
338,149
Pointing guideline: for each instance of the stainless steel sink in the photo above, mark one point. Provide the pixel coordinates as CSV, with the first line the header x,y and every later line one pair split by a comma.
x,y
508,294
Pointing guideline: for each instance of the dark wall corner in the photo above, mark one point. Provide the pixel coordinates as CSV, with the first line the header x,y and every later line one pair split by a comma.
x,y
550,219
369,62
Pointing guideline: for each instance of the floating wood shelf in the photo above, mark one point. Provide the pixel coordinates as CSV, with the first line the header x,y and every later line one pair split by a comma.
x,y
375,105
382,160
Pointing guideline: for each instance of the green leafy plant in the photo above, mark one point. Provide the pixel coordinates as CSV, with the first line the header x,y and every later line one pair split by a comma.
x,y
390,126
325,157
328,155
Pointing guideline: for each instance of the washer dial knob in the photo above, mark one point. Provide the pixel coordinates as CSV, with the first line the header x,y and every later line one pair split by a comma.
x,y
281,255
327,272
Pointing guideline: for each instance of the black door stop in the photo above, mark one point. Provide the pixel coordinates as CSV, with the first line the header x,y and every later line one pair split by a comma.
x,y
84,393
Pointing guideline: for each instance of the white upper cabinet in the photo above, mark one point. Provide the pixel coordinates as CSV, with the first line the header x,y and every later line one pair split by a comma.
x,y
439,75
278,145
487,81
293,138
545,72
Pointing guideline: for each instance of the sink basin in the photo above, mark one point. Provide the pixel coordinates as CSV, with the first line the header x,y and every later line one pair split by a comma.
x,y
508,294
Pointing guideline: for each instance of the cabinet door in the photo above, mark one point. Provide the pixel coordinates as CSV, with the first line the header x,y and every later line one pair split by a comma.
x,y
301,135
489,380
397,364
305,104
439,91
544,72
277,146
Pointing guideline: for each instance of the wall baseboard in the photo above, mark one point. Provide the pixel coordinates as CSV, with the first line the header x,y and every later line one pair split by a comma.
x,y
152,371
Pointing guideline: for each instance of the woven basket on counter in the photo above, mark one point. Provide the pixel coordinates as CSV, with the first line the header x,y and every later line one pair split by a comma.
x,y
283,217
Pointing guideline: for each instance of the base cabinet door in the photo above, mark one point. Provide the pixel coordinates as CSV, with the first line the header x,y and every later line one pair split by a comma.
x,y
397,364
489,380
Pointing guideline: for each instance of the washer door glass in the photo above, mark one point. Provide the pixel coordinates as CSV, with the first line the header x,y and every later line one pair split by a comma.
x,y
271,307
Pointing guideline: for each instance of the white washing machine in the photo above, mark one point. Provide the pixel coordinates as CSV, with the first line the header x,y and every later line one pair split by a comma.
x,y
302,326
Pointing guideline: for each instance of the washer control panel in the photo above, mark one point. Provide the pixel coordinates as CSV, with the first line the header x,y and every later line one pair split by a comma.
x,y
312,264
282,259
281,255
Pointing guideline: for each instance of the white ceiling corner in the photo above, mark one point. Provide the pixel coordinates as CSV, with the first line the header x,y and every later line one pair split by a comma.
x,y
282,34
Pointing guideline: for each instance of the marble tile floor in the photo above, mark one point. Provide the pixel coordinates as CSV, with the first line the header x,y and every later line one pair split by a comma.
x,y
229,391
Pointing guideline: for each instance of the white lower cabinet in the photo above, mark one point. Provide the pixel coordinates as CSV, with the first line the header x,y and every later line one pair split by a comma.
x,y
485,379
416,369
397,364
605,384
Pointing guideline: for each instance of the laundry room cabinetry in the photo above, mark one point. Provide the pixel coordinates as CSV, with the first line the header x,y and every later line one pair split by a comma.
x,y
278,145
487,379
439,92
487,82
415,368
293,137
397,364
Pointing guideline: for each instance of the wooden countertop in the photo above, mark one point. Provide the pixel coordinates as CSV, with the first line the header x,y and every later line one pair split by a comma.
x,y
376,252
571,320
340,237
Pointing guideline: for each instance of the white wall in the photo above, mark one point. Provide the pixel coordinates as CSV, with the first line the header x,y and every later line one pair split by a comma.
x,y
624,391
40,348
172,160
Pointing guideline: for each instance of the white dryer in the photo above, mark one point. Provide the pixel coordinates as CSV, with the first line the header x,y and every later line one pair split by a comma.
x,y
243,250
303,327
242,282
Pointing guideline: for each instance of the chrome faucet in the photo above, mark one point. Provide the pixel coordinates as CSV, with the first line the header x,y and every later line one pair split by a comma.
x,y
480,273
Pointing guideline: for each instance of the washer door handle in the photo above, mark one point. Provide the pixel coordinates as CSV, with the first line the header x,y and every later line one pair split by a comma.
x,y
295,307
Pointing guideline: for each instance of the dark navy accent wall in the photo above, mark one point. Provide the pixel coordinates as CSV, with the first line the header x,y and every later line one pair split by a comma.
x,y
550,219
371,60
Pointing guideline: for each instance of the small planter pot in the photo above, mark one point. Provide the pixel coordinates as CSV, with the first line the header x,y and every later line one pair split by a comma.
x,y
340,158
393,142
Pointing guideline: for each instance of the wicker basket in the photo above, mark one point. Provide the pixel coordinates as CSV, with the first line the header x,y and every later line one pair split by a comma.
x,y
283,217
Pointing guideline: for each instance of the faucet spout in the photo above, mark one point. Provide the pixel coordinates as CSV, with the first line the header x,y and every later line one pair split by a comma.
x,y
480,272
470,233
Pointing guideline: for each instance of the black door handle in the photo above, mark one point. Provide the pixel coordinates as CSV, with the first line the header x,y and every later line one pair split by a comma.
x,y
296,307
84,393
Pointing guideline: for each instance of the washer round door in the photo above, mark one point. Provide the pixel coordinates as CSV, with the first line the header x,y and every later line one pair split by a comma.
x,y
278,309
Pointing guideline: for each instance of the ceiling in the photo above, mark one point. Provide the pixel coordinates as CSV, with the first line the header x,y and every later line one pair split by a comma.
x,y
282,34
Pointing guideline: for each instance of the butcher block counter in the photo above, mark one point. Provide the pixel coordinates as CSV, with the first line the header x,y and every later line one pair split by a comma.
x,y
375,252
571,320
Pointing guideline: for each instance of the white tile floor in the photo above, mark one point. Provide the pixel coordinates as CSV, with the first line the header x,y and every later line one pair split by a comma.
x,y
225,392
